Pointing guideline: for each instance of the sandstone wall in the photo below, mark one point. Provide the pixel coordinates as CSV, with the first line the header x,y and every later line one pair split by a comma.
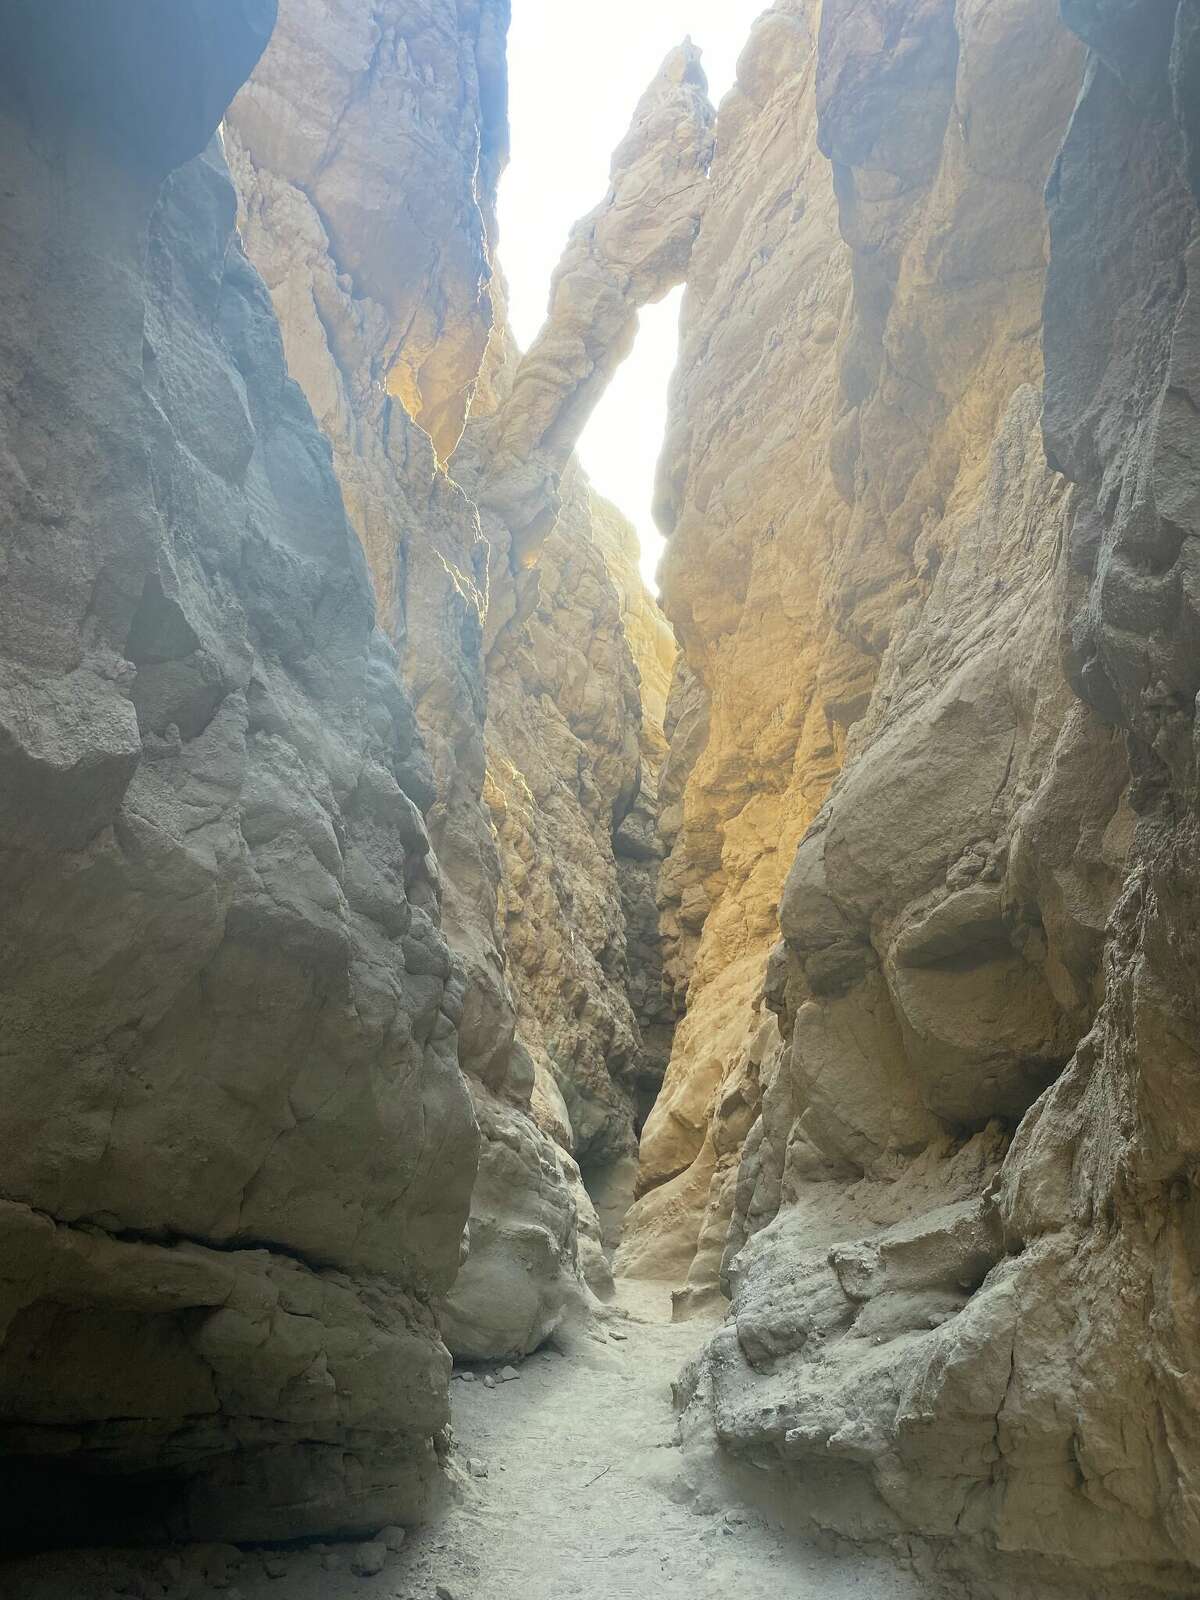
x,y
957,1249
567,725
367,148
814,482
746,500
238,1147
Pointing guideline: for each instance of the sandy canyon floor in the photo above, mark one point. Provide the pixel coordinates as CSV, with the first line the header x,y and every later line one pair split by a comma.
x,y
570,1484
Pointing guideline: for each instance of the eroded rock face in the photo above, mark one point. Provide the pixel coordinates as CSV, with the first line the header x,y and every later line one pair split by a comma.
x,y
629,252
759,708
352,125
366,150
568,727
957,1251
239,1150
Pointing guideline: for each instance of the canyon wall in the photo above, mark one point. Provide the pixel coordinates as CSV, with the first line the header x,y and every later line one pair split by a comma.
x,y
939,1148
366,149
318,978
238,1147
364,839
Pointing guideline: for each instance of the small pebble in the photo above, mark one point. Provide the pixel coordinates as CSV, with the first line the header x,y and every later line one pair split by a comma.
x,y
489,1382
467,1377
508,1374
369,1558
477,1468
275,1566
445,1594
613,1334
393,1536
329,1561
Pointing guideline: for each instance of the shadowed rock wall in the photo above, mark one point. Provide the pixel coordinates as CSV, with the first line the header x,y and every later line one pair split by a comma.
x,y
238,1147
366,149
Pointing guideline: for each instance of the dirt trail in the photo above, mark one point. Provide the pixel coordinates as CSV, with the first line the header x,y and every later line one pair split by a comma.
x,y
583,1497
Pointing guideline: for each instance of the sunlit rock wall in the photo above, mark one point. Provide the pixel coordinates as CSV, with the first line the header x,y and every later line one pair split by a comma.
x,y
958,1252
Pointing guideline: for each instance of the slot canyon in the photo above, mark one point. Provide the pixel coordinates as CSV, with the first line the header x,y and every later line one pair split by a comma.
x,y
513,1086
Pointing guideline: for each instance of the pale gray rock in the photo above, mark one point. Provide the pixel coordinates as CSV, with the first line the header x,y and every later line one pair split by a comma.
x,y
366,150
241,1147
369,1559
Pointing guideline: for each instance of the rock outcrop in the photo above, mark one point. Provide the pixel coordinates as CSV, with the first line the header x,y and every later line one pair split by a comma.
x,y
746,500
629,252
528,703
567,726
366,150
568,626
949,1193
238,1147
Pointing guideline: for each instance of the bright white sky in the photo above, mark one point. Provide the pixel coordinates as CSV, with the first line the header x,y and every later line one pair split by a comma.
x,y
576,71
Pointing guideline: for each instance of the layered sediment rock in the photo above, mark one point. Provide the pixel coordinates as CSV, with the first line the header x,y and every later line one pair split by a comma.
x,y
332,948
238,1147
957,1246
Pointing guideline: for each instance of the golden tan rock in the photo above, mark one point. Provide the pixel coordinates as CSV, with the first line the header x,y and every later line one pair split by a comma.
x,y
567,730
937,1324
747,498
401,185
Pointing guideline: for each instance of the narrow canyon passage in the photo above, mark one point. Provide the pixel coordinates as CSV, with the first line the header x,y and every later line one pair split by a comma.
x,y
426,952
587,1493
570,1482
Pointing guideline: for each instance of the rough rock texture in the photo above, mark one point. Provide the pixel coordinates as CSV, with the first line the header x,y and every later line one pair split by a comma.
x,y
566,723
563,764
812,546
629,252
758,710
238,1147
637,842
366,149
959,1239
355,124
572,747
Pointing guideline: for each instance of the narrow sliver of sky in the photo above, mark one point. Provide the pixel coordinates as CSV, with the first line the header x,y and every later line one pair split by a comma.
x,y
576,72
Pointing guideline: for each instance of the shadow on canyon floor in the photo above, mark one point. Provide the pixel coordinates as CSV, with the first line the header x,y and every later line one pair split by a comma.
x,y
569,1482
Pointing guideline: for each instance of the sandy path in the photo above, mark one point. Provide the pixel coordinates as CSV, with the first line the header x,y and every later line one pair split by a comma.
x,y
583,1497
